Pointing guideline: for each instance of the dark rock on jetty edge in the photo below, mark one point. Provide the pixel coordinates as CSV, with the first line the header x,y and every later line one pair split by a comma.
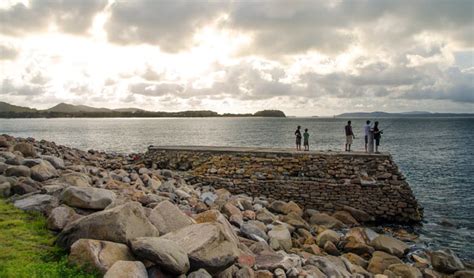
x,y
116,216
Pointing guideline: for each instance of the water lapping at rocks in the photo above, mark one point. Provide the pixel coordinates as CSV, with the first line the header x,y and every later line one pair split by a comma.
x,y
123,219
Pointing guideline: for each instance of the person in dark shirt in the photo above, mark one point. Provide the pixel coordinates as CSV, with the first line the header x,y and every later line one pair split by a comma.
x,y
377,135
306,140
349,136
298,138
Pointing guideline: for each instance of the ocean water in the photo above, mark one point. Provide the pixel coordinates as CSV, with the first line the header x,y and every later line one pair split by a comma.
x,y
435,154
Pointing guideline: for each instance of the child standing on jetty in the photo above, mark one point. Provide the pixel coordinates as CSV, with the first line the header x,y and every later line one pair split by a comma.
x,y
298,138
306,139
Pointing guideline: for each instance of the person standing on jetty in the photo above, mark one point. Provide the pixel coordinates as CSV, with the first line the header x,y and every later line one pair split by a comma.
x,y
349,136
366,133
377,135
298,138
306,140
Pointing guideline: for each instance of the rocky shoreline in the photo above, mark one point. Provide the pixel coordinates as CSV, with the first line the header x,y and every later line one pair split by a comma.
x,y
116,215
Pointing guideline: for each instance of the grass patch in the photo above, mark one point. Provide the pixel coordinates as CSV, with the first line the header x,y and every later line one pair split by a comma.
x,y
27,247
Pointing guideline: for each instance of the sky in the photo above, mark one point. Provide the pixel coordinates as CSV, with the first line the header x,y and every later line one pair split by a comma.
x,y
302,57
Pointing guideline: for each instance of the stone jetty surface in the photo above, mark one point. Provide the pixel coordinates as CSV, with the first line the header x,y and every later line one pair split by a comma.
x,y
123,216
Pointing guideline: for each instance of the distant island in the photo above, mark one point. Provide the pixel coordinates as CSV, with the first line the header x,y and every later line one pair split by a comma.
x,y
379,114
65,110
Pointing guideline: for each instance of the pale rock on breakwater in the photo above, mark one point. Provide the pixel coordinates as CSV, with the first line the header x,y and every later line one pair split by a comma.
x,y
116,215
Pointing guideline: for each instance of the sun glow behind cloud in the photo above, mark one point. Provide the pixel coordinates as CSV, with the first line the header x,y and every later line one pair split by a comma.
x,y
309,58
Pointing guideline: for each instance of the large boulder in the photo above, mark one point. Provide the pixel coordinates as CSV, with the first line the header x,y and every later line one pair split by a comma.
x,y
446,261
18,171
60,217
167,217
213,215
270,260
331,266
325,220
405,271
27,149
98,255
380,261
76,179
119,224
41,203
87,197
390,245
43,171
207,246
253,231
127,269
280,238
165,253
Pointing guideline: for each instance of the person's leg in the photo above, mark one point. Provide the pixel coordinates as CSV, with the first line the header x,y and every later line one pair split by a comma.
x,y
349,148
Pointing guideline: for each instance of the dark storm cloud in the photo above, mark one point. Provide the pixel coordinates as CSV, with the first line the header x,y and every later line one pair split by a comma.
x,y
71,16
168,24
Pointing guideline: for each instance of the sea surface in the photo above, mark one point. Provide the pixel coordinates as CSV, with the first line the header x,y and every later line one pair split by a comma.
x,y
435,154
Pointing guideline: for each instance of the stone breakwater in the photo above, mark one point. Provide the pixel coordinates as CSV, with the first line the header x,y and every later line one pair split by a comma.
x,y
119,216
327,181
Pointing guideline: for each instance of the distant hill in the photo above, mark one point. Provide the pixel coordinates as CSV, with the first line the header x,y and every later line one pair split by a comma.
x,y
69,108
379,114
270,113
6,107
65,110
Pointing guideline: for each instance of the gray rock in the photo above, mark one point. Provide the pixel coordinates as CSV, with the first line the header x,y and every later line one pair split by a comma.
x,y
3,167
30,162
252,231
43,171
390,245
127,269
5,189
446,261
119,224
60,217
98,255
325,220
165,253
331,266
87,197
167,217
201,273
57,162
41,202
281,236
76,179
207,246
328,235
18,171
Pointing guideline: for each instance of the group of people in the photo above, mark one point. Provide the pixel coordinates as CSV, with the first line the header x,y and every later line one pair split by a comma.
x,y
368,129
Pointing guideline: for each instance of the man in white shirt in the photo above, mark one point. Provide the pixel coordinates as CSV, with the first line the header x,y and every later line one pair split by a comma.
x,y
366,133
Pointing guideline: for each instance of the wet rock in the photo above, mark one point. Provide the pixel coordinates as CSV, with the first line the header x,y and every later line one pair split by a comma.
x,y
446,261
390,245
27,149
60,217
380,261
127,269
120,224
43,171
280,237
325,220
41,202
405,271
18,171
167,217
201,273
207,246
87,197
98,255
165,253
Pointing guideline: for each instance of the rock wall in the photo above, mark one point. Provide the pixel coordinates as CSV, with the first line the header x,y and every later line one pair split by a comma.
x,y
324,181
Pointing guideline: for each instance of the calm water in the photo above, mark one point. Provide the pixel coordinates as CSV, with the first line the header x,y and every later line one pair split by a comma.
x,y
435,154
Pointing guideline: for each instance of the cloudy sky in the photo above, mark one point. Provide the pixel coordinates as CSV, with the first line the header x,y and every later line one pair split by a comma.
x,y
302,57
